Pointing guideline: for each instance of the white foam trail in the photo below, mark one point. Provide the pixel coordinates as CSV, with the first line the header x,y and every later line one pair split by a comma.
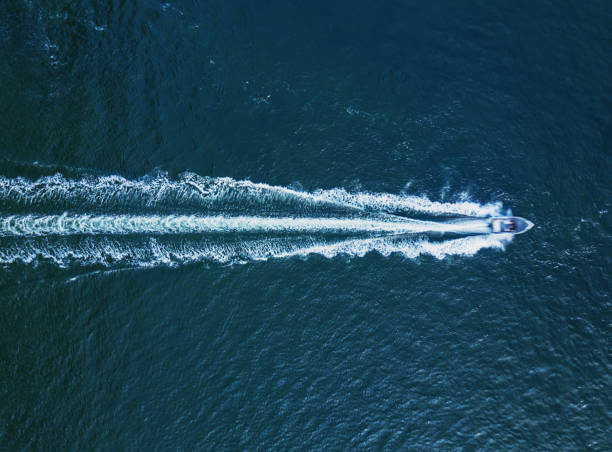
x,y
466,246
219,205
191,191
153,252
389,202
41,225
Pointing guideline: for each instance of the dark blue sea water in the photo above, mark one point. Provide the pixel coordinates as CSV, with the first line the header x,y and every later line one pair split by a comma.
x,y
241,225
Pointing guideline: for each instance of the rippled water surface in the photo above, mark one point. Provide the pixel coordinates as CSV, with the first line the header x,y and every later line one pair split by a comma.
x,y
236,225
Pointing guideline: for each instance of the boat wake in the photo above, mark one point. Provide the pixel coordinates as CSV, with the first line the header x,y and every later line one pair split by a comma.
x,y
193,192
112,221
155,251
65,224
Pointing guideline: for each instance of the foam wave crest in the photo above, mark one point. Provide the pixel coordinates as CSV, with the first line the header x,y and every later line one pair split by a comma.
x,y
107,252
387,202
193,192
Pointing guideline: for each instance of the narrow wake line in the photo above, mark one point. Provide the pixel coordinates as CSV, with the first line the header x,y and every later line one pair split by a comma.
x,y
191,191
43,225
385,246
155,252
386,202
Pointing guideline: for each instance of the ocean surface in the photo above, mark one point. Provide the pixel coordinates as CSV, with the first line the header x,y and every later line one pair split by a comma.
x,y
246,225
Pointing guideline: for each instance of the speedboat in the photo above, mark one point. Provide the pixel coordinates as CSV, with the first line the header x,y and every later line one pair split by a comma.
x,y
509,225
